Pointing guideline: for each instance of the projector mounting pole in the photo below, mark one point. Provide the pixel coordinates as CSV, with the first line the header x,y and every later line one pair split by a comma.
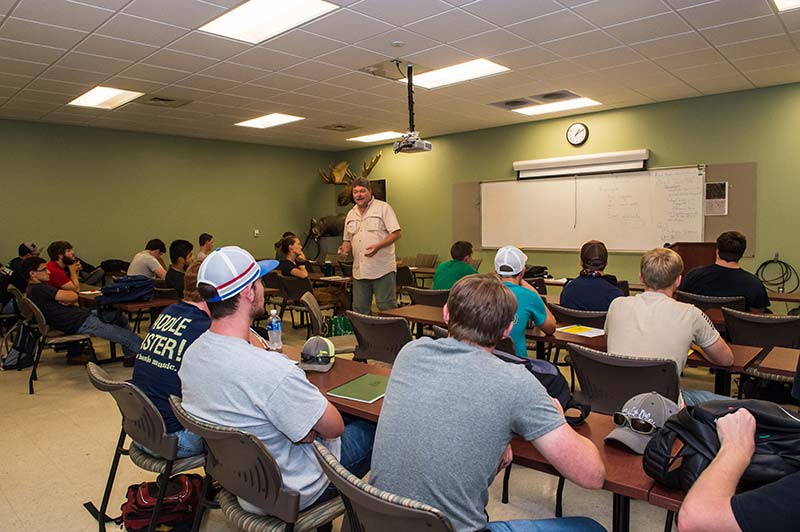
x,y
410,98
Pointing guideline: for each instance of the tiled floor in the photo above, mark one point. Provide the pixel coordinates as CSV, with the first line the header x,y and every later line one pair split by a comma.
x,y
56,448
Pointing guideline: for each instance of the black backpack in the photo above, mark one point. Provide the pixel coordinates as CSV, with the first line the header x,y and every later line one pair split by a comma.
x,y
777,451
128,288
553,381
22,352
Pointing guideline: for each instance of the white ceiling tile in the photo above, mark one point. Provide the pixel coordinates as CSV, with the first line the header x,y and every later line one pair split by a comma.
x,y
31,105
664,93
7,92
93,63
643,74
140,30
107,4
6,5
412,43
133,84
743,31
179,60
295,99
62,13
693,74
774,76
16,114
183,93
154,73
116,48
675,44
777,59
358,81
505,12
208,83
185,13
608,58
302,43
347,26
690,59
325,90
491,43
440,57
450,26
281,82
60,87
353,58
45,34
401,13
611,12
650,28
503,80
392,90
362,98
240,73
229,99
52,97
681,4
265,59
556,69
29,52
20,68
791,19
315,70
73,76
254,91
208,45
585,43
714,85
551,27
724,12
527,57
765,45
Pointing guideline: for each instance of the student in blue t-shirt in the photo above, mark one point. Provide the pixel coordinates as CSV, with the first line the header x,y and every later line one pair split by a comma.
x,y
155,370
592,290
509,264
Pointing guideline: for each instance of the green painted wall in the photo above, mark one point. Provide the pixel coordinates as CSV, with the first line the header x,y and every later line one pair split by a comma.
x,y
108,192
758,125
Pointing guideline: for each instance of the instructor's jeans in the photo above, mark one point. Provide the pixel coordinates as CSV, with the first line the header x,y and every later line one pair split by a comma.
x,y
382,287
119,334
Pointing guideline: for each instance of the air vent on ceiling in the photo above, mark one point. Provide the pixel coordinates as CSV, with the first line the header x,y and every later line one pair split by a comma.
x,y
393,69
516,103
554,96
161,101
340,127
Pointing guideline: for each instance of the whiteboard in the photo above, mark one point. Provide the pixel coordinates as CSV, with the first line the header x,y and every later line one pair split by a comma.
x,y
633,211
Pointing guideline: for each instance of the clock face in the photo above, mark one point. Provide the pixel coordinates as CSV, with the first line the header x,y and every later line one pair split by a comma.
x,y
577,134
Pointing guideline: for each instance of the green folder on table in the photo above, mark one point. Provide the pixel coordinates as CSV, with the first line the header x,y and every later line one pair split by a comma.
x,y
364,389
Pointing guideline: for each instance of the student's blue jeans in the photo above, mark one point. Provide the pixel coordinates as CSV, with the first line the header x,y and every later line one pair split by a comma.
x,y
119,334
695,397
189,444
356,456
564,524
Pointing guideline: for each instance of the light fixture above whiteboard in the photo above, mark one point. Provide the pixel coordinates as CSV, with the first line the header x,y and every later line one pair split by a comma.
x,y
614,161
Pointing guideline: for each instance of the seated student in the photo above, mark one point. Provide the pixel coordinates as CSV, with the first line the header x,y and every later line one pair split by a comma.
x,y
279,253
24,251
57,306
148,262
712,503
448,452
725,277
653,325
64,267
180,253
509,264
591,290
295,265
229,382
447,273
206,243
155,371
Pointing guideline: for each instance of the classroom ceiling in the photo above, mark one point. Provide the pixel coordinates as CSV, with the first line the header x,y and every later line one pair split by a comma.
x,y
619,52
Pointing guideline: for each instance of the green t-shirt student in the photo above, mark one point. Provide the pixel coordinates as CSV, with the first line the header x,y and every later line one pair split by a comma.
x,y
451,271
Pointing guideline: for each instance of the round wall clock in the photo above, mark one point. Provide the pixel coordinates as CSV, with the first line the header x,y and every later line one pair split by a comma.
x,y
577,134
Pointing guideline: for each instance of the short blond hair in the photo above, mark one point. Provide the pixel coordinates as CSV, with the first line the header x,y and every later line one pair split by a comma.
x,y
660,267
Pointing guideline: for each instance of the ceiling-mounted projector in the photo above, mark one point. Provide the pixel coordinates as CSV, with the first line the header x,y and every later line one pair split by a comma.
x,y
410,142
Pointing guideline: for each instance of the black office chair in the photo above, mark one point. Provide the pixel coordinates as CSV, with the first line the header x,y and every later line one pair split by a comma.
x,y
379,338
707,302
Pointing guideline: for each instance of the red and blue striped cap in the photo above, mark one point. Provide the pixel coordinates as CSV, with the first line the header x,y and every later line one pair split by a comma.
x,y
230,270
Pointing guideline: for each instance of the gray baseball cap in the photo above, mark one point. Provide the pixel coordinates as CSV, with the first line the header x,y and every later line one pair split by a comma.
x,y
652,408
317,354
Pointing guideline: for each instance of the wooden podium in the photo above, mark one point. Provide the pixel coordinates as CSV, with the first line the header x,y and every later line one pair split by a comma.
x,y
695,253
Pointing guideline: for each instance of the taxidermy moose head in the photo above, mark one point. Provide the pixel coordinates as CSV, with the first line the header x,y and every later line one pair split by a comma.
x,y
340,173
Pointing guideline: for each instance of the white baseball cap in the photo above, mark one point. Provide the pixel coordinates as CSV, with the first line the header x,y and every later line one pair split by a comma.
x,y
230,270
509,261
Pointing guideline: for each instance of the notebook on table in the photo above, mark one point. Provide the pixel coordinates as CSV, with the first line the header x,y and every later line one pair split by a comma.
x,y
364,389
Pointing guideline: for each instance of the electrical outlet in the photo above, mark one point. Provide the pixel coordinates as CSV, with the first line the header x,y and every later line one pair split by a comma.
x,y
777,256
256,233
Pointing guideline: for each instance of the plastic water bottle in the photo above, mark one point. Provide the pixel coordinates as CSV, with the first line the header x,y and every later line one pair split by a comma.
x,y
274,329
327,270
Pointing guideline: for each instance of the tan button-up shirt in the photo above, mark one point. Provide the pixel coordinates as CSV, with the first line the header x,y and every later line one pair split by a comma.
x,y
370,228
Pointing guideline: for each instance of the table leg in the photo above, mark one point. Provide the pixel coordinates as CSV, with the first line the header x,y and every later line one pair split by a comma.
x,y
541,354
722,382
621,520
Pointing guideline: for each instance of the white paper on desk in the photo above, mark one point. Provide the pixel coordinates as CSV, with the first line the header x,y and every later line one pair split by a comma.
x,y
90,292
412,268
332,278
582,330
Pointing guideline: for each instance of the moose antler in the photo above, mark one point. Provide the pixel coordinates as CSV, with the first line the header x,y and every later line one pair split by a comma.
x,y
367,167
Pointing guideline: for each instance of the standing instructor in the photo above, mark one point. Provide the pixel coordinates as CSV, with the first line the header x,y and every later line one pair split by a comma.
x,y
370,231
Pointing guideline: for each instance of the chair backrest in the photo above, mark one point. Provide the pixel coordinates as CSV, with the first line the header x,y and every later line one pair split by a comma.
x,y
762,330
314,313
624,287
140,418
707,302
379,338
589,318
24,311
37,314
409,261
405,277
440,332
166,293
476,263
272,280
539,284
372,510
242,465
424,296
293,288
347,268
426,260
608,381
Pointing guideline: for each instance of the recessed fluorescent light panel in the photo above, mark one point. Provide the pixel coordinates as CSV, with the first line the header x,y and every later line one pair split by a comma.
x,y
784,5
457,73
555,107
270,120
105,98
258,20
386,135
